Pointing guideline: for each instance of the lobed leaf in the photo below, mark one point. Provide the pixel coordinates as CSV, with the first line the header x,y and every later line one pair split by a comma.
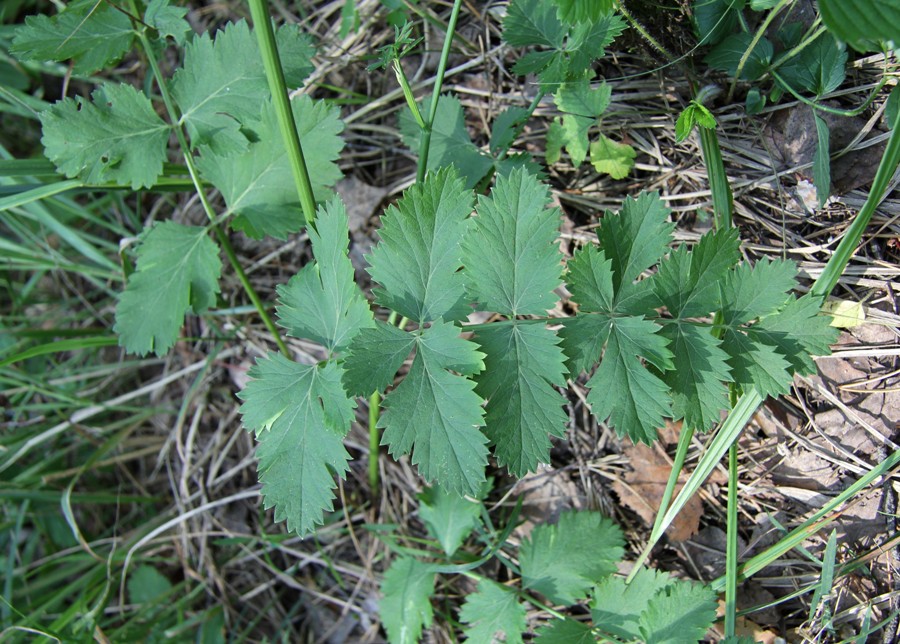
x,y
418,258
616,606
493,614
178,270
798,332
574,11
612,158
406,605
115,137
512,262
300,414
756,364
532,22
682,612
751,292
450,517
257,184
563,561
375,356
168,20
322,302
565,631
577,97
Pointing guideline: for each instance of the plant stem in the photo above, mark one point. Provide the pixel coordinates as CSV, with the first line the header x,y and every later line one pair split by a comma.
x,y
221,237
425,141
760,32
275,74
731,544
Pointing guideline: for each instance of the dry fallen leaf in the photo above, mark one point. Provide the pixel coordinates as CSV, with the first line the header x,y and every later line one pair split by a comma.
x,y
643,488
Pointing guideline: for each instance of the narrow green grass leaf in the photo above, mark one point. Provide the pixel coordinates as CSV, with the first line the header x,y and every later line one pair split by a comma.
x,y
406,603
493,614
822,161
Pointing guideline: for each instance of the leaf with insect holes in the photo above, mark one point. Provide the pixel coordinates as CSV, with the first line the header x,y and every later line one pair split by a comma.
x,y
681,612
450,517
300,414
221,89
115,137
450,140
798,331
616,606
700,367
565,631
258,185
435,413
493,613
178,270
862,24
406,603
322,302
168,20
511,258
564,560
612,158
417,261
93,34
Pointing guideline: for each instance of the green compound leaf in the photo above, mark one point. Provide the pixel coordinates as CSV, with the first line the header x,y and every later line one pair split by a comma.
x,y
222,85
819,68
450,141
522,364
533,22
168,20
322,302
258,185
751,292
698,390
178,270
406,606
563,561
798,332
681,612
577,97
450,517
92,33
588,42
756,364
300,414
375,356
612,158
493,614
512,262
565,631
616,606
436,414
575,11
688,281
116,137
418,259
591,280
863,23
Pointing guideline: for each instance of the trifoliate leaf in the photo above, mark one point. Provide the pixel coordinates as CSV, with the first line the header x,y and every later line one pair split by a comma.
x,y
436,414
450,517
563,561
750,292
616,606
682,612
622,390
94,34
168,20
450,141
799,332
115,137
300,415
756,364
178,271
609,157
574,11
406,605
698,391
522,363
493,614
258,185
418,258
533,22
503,130
818,68
512,262
688,282
565,631
727,55
376,354
577,97
634,239
222,86
322,302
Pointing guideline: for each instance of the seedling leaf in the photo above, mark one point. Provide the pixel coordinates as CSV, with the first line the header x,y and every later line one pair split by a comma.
x,y
178,271
563,561
406,605
493,614
115,137
300,414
